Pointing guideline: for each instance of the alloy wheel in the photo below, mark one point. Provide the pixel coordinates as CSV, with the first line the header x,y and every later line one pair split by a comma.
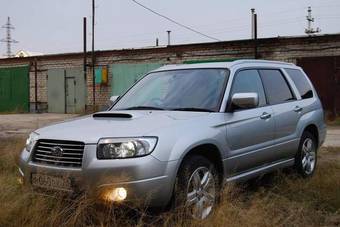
x,y
308,156
201,193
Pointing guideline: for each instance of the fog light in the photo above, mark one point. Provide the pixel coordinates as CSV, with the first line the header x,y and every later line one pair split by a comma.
x,y
116,195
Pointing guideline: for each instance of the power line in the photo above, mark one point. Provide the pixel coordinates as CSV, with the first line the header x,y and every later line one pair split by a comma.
x,y
147,38
217,31
175,22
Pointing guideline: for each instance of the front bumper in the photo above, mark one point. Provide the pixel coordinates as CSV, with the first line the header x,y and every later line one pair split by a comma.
x,y
146,179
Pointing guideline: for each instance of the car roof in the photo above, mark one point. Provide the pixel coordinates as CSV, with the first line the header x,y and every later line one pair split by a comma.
x,y
246,62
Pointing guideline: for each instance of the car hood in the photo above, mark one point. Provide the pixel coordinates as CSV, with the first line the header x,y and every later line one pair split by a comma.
x,y
90,129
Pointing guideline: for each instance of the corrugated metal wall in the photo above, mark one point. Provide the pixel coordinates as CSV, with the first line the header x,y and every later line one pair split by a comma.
x,y
125,75
14,89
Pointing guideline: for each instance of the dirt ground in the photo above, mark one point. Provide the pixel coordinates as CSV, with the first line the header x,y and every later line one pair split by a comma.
x,y
22,124
333,137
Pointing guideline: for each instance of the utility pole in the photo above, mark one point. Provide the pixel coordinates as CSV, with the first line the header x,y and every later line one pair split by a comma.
x,y
309,30
85,45
169,41
252,22
8,40
93,56
36,84
255,37
254,31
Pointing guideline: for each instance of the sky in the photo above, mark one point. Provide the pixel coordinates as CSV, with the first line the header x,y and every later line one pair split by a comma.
x,y
55,26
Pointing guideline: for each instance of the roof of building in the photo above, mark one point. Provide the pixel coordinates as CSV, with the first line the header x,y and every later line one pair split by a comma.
x,y
185,46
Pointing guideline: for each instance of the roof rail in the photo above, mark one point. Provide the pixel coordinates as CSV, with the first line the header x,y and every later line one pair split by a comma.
x,y
260,61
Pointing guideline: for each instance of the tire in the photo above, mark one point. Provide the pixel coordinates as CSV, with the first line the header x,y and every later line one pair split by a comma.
x,y
197,187
306,157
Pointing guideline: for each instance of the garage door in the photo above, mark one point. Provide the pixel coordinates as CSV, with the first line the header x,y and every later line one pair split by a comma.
x,y
125,75
66,90
14,89
324,72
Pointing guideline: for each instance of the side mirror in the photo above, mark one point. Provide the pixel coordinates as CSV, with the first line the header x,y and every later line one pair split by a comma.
x,y
114,98
245,100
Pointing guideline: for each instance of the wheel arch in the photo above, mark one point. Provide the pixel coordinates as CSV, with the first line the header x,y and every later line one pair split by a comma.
x,y
209,151
313,129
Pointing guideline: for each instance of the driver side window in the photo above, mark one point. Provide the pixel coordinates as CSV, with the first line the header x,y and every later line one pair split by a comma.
x,y
249,81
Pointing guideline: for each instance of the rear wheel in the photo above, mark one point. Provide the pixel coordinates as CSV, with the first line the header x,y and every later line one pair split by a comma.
x,y
197,187
306,158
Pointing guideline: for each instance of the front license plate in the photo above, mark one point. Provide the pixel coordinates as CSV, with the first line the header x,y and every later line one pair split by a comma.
x,y
51,182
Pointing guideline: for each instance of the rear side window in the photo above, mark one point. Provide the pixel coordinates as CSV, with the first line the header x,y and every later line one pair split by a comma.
x,y
276,87
249,81
301,83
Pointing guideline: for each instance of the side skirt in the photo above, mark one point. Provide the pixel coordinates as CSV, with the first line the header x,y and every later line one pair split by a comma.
x,y
259,171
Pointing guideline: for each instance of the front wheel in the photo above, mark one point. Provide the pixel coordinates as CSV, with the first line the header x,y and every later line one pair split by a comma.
x,y
306,157
197,187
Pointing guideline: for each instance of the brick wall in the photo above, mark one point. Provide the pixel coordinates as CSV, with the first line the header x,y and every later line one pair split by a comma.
x,y
281,48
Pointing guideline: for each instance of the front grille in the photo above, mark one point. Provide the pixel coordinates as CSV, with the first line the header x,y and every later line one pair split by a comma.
x,y
59,153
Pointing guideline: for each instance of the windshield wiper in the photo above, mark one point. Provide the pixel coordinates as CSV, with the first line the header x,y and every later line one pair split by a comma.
x,y
144,108
193,109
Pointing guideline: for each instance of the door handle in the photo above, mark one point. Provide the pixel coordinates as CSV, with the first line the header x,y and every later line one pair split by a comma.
x,y
265,116
298,109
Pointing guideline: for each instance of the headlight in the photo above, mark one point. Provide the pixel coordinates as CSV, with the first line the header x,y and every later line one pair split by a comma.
x,y
32,138
125,148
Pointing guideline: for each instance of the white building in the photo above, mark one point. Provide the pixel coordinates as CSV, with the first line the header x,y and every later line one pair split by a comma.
x,y
24,53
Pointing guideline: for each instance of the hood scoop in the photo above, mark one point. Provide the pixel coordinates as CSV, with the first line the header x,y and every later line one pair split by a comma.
x,y
112,115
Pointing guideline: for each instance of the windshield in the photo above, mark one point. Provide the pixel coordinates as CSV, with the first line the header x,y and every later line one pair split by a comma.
x,y
189,89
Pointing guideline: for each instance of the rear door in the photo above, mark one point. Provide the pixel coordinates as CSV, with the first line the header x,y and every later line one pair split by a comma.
x,y
250,132
287,111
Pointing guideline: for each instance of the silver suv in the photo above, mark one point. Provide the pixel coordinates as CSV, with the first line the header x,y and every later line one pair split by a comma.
x,y
180,133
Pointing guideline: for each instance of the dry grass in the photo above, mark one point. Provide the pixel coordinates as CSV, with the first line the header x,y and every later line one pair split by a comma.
x,y
278,199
